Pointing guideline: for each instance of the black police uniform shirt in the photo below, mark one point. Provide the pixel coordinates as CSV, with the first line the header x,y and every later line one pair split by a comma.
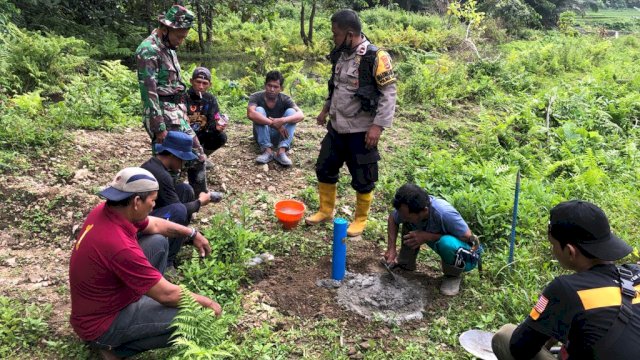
x,y
578,310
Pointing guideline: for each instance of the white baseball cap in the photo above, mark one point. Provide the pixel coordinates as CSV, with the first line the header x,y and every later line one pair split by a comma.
x,y
129,181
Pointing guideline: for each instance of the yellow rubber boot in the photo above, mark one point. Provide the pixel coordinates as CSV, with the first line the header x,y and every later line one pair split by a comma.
x,y
327,193
363,203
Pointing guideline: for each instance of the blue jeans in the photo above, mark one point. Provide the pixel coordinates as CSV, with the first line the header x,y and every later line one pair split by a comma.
x,y
144,324
266,136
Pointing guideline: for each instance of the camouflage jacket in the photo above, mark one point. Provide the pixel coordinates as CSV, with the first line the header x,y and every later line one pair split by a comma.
x,y
159,76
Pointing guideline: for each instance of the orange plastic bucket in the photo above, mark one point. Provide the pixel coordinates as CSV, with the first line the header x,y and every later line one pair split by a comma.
x,y
289,212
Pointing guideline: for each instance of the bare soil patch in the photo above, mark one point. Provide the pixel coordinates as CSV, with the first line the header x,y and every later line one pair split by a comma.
x,y
42,205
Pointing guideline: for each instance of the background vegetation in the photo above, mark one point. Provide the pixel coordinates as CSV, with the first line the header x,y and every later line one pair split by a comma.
x,y
560,105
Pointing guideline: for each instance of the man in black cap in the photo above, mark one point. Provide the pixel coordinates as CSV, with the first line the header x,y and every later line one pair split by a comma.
x,y
595,312
204,113
175,203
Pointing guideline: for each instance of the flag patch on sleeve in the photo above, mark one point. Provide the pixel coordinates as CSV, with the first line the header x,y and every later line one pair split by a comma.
x,y
539,308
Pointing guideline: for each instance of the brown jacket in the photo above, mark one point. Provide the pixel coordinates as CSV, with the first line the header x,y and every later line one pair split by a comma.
x,y
344,108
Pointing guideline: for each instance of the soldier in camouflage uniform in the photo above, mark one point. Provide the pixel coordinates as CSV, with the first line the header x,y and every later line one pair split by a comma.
x,y
163,93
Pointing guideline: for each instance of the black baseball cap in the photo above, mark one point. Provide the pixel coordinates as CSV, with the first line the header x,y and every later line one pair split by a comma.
x,y
584,224
201,73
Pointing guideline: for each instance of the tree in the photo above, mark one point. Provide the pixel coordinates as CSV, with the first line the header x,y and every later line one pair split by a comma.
x,y
307,38
468,14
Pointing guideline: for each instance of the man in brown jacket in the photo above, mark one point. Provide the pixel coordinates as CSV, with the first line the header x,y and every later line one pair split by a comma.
x,y
361,104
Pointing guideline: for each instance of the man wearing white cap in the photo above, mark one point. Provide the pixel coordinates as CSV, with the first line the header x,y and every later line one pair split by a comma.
x,y
120,302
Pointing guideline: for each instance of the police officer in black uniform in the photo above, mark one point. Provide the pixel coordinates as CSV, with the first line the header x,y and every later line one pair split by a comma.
x,y
361,104
595,312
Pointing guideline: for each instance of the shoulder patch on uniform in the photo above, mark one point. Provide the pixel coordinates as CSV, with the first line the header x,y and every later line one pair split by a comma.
x,y
384,71
539,308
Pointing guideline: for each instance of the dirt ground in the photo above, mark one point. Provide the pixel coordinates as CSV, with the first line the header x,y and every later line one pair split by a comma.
x,y
43,204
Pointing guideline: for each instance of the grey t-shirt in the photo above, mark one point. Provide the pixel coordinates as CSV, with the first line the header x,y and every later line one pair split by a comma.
x,y
443,219
283,102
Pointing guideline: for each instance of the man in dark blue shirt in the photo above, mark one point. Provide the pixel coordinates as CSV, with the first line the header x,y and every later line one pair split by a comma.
x,y
595,312
428,220
175,202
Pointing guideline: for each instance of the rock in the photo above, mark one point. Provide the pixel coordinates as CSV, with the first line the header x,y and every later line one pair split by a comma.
x,y
34,278
352,350
259,176
69,215
224,187
267,257
13,241
81,174
345,209
11,262
257,181
74,229
271,188
365,345
265,168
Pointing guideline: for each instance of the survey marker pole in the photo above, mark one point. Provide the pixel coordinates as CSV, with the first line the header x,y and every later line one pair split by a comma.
x,y
339,260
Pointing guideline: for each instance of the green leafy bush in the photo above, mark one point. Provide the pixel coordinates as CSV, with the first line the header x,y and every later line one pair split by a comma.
x,y
21,326
33,61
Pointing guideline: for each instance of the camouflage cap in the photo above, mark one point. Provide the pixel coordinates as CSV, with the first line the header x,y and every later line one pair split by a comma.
x,y
177,17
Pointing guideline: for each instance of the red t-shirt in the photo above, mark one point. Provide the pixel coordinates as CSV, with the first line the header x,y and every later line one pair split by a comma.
x,y
107,272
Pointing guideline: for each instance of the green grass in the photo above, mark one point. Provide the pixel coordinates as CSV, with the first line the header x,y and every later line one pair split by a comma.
x,y
612,19
464,129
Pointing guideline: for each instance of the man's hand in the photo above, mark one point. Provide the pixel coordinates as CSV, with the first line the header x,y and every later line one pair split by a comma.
x,y
204,198
283,132
202,245
160,136
217,309
221,128
390,256
202,157
415,238
277,122
321,119
372,137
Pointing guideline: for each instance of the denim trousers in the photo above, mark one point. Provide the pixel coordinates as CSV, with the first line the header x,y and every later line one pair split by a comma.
x,y
266,136
144,324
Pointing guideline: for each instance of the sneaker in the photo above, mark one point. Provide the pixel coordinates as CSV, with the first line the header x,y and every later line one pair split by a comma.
x,y
450,285
283,159
264,158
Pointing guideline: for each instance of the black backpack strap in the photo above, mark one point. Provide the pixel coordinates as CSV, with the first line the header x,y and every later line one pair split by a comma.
x,y
625,314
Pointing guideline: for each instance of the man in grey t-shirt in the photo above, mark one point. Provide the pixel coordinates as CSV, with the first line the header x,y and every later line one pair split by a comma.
x,y
274,117
428,220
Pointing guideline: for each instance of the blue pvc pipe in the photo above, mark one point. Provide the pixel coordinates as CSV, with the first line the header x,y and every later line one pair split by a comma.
x,y
514,221
339,262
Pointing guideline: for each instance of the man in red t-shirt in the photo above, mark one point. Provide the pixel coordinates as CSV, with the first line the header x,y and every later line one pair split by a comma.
x,y
120,302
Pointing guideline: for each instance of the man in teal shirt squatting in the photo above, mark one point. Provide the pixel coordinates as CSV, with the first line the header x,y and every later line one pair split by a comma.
x,y
162,90
427,219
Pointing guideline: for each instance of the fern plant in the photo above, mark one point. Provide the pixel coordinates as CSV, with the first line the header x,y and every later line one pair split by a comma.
x,y
198,332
